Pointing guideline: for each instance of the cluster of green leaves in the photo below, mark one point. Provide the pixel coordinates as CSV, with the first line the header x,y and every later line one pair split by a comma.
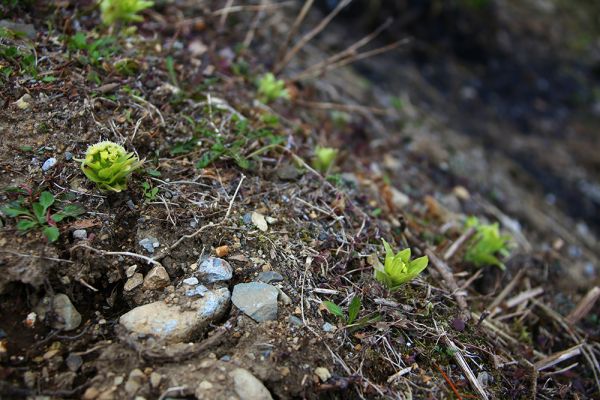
x,y
271,88
38,214
113,11
350,319
324,158
16,60
398,268
92,51
109,165
150,192
487,244
233,145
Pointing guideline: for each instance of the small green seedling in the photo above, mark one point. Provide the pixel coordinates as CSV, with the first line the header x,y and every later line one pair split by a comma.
x,y
324,158
122,10
399,268
487,244
150,192
108,165
353,310
271,89
38,215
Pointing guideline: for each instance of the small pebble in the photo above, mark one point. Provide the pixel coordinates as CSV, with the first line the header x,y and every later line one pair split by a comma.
x,y
322,373
327,327
80,234
149,244
222,251
130,205
68,155
191,281
74,362
269,277
157,278
131,270
49,163
295,321
136,280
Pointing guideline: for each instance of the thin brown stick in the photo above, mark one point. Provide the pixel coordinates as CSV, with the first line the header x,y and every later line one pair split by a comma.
x,y
559,357
295,26
349,51
351,59
342,107
226,10
584,306
524,296
460,360
309,36
446,273
250,35
459,243
505,292
117,253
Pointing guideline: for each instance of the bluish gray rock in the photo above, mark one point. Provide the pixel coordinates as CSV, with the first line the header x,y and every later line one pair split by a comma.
x,y
172,323
49,163
270,276
257,300
213,269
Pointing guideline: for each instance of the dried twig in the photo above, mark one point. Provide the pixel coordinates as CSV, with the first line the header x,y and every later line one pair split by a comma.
x,y
459,243
558,358
446,273
524,296
505,292
295,26
584,306
309,36
460,360
116,253
234,196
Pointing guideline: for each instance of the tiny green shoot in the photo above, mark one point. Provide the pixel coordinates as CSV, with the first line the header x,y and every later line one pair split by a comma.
x,y
122,10
353,310
487,244
109,166
271,88
324,158
398,268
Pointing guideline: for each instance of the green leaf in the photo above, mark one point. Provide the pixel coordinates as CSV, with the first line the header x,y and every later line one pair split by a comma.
x,y
46,200
40,212
153,172
334,309
15,211
52,233
26,224
73,210
353,309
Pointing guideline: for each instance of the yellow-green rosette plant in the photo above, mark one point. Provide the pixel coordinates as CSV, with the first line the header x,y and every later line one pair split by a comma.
x,y
109,165
398,268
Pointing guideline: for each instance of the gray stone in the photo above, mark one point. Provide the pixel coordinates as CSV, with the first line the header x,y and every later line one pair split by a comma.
x,y
213,270
135,381
269,276
136,280
257,300
248,387
199,290
149,244
67,317
295,321
191,281
49,163
156,278
131,270
68,155
285,299
172,323
26,29
80,234
74,362
155,379
327,327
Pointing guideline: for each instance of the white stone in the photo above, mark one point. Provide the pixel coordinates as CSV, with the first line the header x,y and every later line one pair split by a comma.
x,y
248,387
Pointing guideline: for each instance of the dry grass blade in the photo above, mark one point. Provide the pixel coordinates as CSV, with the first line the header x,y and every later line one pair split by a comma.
x,y
460,360
295,26
349,51
309,36
446,273
584,306
225,12
351,59
459,243
524,296
556,358
342,107
505,292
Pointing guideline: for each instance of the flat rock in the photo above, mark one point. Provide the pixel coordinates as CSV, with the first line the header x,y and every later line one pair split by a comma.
x,y
270,276
156,278
213,269
247,386
136,280
67,317
172,323
258,300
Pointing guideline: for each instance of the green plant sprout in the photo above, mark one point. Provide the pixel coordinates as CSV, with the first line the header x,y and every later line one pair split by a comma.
x,y
122,10
150,192
487,244
271,88
399,268
324,158
38,215
353,310
108,165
